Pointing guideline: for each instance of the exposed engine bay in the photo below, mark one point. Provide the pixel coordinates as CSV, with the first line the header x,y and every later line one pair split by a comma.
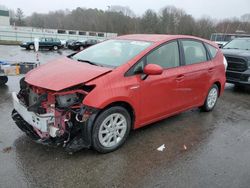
x,y
54,118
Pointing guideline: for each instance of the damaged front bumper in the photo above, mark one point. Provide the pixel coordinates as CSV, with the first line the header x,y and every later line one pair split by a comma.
x,y
40,127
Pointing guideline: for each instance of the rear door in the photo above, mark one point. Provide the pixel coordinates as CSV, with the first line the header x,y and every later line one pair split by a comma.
x,y
194,74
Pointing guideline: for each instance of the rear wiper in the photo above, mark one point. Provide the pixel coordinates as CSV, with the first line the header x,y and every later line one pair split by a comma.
x,y
89,62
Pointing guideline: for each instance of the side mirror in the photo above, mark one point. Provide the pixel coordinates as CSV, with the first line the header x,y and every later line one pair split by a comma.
x,y
152,69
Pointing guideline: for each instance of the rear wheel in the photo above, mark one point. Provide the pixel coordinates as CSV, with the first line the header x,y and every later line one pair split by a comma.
x,y
3,80
211,99
111,129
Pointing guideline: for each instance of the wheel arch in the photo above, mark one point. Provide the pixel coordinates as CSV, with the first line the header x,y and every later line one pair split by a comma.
x,y
218,84
125,105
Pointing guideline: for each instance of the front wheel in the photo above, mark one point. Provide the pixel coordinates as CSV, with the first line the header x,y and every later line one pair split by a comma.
x,y
31,47
55,48
81,48
3,80
211,99
111,129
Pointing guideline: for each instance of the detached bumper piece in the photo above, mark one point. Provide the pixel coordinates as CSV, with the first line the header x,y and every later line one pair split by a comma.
x,y
80,141
24,126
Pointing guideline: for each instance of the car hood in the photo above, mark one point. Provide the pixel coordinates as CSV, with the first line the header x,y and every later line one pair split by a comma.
x,y
63,73
235,52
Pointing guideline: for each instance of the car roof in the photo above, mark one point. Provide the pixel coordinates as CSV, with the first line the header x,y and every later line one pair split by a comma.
x,y
159,38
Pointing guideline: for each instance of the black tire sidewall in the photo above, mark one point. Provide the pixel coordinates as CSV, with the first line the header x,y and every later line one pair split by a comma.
x,y
95,140
206,107
3,80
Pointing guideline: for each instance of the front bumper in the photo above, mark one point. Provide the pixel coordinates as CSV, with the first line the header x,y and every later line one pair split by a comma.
x,y
40,122
29,123
242,78
24,45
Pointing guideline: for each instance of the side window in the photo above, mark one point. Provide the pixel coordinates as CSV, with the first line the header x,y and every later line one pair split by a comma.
x,y
137,68
213,51
166,56
194,52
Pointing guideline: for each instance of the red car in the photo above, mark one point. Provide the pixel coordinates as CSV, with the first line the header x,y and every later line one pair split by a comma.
x,y
95,97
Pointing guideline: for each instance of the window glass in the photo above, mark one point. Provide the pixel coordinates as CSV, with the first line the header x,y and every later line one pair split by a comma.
x,y
112,53
194,52
49,40
239,43
213,51
166,56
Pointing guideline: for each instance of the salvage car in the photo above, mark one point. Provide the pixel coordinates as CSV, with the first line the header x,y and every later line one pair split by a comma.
x,y
92,99
237,53
45,43
82,44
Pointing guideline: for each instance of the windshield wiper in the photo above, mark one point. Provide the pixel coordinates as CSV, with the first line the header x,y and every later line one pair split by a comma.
x,y
89,62
231,48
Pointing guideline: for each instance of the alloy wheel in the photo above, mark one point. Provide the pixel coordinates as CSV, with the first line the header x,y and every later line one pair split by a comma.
x,y
112,130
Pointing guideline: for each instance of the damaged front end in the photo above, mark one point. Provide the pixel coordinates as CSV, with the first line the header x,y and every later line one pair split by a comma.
x,y
54,118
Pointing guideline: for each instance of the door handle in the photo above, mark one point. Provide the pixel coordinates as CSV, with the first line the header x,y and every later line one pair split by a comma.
x,y
180,77
211,70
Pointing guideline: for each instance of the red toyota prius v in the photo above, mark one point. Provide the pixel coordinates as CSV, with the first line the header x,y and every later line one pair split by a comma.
x,y
94,98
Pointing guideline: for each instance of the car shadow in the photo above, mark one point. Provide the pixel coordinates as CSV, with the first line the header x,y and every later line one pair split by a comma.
x,y
242,89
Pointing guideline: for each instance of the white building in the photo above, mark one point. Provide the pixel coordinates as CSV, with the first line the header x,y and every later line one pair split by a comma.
x,y
4,17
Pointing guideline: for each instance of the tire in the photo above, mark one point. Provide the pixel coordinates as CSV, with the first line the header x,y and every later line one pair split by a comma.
x,y
105,137
55,48
81,48
31,47
211,99
3,80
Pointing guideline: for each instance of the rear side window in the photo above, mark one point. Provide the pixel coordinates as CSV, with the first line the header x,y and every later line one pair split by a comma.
x,y
166,56
194,52
213,51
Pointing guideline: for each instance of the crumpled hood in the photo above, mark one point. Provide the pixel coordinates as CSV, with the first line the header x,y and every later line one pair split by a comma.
x,y
63,73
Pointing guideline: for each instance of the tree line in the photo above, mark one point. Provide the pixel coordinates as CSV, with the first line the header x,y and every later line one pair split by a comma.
x,y
122,20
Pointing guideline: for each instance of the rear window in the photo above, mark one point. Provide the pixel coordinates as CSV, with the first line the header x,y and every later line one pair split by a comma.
x,y
213,51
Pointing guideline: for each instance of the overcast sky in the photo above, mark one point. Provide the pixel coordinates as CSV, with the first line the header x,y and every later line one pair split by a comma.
x,y
214,8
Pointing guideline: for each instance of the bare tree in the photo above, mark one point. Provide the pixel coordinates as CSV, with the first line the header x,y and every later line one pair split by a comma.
x,y
19,17
122,20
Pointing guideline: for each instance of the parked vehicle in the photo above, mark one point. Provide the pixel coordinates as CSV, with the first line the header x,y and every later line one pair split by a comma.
x,y
80,45
237,53
63,43
95,97
48,43
223,38
70,42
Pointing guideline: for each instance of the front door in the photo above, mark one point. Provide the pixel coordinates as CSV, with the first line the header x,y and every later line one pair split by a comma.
x,y
158,93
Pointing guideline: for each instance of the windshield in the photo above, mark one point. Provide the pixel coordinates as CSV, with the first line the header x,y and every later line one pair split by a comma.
x,y
112,53
242,44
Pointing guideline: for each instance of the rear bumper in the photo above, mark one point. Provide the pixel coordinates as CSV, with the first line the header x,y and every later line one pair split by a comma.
x,y
242,78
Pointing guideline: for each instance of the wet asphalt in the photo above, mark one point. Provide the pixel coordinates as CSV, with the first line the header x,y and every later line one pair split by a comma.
x,y
202,149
